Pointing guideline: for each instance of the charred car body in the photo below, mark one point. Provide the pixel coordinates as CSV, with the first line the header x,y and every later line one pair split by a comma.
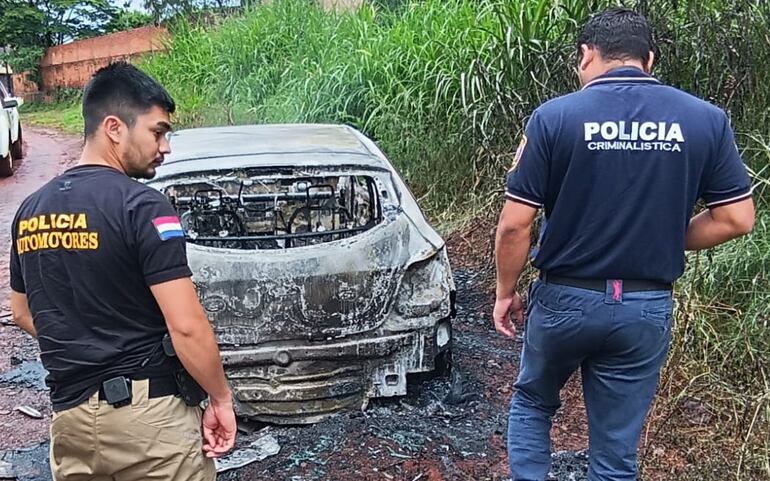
x,y
323,281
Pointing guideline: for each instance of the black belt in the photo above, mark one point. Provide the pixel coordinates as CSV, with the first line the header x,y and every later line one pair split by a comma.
x,y
629,285
159,387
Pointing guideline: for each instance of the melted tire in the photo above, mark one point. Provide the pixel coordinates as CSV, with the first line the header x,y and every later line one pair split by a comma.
x,y
443,364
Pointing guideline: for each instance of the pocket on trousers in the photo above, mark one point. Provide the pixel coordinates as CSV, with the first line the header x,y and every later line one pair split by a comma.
x,y
168,420
554,314
661,317
61,448
551,323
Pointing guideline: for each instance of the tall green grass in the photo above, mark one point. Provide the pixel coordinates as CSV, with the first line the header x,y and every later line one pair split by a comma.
x,y
721,355
445,86
722,346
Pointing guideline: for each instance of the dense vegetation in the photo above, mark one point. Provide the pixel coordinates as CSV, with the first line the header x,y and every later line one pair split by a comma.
x,y
445,86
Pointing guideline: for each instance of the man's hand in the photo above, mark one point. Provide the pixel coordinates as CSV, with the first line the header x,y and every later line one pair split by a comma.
x,y
511,249
219,429
504,308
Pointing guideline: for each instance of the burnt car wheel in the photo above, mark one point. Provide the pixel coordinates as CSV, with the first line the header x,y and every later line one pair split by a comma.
x,y
17,148
443,363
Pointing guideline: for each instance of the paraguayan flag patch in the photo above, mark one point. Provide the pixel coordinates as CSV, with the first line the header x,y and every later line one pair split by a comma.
x,y
168,227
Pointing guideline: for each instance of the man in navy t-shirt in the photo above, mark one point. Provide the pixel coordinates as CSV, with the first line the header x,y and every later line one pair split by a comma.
x,y
618,168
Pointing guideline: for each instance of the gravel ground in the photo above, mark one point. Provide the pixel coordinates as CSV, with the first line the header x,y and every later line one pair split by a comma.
x,y
47,154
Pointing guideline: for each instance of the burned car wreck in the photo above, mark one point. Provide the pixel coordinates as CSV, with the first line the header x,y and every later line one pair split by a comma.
x,y
322,279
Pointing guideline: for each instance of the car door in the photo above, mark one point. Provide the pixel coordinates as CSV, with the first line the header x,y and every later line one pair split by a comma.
x,y
12,115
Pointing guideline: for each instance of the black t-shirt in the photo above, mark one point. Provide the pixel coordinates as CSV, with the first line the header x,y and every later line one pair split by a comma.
x,y
86,248
619,167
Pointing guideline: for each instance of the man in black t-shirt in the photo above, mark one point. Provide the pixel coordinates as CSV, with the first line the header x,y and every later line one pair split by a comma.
x,y
99,275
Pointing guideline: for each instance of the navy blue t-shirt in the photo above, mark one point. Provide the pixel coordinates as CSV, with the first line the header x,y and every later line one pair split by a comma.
x,y
86,248
618,167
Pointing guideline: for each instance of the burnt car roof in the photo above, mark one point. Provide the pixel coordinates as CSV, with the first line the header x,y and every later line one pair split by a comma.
x,y
270,142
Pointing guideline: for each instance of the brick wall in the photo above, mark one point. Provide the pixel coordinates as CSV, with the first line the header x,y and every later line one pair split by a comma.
x,y
73,64
24,87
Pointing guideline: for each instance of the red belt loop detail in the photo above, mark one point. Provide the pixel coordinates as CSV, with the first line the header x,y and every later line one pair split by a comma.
x,y
617,290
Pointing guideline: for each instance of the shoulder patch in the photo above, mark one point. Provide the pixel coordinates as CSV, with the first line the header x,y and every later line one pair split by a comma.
x,y
519,152
168,227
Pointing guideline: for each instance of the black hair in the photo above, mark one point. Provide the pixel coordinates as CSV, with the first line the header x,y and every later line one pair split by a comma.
x,y
122,90
619,34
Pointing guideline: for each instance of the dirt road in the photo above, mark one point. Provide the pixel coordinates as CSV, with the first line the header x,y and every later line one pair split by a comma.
x,y
447,428
47,154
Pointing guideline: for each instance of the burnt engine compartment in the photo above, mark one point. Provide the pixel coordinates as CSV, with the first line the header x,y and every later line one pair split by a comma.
x,y
266,212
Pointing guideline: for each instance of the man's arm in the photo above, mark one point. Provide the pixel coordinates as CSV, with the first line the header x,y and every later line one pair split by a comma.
x,y
192,336
512,245
21,313
720,224
196,347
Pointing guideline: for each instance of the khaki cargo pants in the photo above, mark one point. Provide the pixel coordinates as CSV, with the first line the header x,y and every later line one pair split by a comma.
x,y
157,438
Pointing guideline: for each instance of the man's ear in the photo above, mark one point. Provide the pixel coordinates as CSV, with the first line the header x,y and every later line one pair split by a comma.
x,y
587,56
114,128
650,61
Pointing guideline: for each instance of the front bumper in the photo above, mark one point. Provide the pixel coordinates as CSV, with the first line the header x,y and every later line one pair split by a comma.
x,y
305,383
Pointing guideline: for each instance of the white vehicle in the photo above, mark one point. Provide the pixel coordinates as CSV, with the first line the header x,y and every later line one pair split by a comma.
x,y
10,132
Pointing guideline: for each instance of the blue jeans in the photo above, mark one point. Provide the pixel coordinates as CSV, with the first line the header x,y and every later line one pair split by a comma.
x,y
619,340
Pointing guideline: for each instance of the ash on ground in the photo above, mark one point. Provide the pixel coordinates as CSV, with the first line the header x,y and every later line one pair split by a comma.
x,y
449,427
